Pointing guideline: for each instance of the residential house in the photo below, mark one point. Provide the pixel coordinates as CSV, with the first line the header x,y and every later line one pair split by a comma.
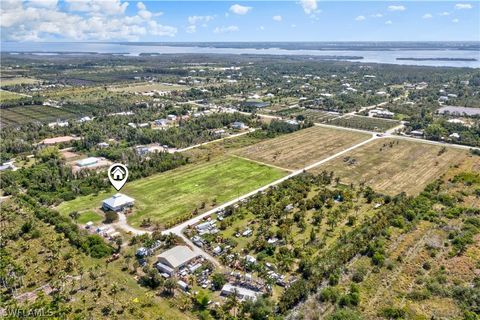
x,y
117,202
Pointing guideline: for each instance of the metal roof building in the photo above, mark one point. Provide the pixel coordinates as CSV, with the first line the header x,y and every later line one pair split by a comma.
x,y
117,202
177,257
87,162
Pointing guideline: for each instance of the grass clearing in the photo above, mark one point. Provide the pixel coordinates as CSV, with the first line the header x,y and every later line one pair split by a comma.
x,y
392,166
301,148
364,123
167,196
25,114
89,216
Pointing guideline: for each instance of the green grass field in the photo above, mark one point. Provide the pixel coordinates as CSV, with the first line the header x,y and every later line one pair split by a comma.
x,y
89,216
176,193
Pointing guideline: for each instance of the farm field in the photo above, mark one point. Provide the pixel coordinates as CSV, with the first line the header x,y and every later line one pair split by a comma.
x,y
364,123
392,166
16,81
176,193
301,148
317,116
146,87
25,114
9,96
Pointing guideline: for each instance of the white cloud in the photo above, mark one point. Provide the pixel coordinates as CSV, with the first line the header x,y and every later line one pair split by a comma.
x,y
43,3
262,28
293,25
277,18
396,8
141,6
191,29
444,14
427,16
161,30
309,6
200,19
10,4
239,9
388,22
455,20
463,6
360,18
101,20
377,15
226,29
104,7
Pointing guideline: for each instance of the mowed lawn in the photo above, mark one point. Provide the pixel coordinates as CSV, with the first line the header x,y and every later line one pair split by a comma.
x,y
167,196
392,166
301,148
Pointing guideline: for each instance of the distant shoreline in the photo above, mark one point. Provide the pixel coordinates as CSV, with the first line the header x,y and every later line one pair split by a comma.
x,y
437,59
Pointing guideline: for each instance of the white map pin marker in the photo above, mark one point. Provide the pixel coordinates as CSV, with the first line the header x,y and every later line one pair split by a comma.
x,y
118,175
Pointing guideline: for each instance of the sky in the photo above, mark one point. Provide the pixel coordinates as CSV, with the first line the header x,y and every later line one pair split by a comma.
x,y
199,21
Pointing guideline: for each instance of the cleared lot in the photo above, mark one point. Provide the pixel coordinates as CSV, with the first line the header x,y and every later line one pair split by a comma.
x,y
392,166
301,148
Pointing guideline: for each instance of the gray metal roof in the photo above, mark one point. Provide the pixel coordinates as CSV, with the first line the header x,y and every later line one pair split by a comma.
x,y
118,200
177,256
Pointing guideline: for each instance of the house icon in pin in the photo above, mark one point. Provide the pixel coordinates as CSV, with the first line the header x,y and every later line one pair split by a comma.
x,y
117,173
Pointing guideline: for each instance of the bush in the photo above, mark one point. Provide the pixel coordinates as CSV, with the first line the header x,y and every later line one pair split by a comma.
x,y
393,313
329,295
378,259
359,275
218,280
344,314
110,216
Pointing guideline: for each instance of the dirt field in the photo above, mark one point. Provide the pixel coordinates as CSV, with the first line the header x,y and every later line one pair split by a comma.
x,y
301,148
147,87
403,166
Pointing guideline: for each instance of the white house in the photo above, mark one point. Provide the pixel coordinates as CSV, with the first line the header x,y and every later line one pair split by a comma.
x,y
241,292
117,202
239,125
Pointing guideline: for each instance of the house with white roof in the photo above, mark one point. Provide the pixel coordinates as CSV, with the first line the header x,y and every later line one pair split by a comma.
x,y
241,292
118,202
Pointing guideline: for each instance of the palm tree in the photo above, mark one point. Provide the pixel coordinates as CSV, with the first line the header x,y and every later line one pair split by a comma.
x,y
171,285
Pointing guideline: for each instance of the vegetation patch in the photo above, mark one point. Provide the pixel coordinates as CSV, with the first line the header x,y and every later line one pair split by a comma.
x,y
391,166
